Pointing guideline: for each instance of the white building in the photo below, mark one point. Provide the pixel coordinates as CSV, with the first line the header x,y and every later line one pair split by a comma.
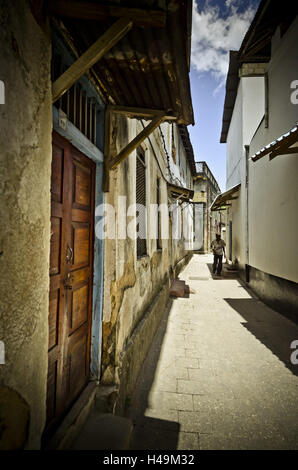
x,y
262,191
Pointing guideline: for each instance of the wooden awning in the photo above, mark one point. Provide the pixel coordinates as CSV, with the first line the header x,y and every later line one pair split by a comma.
x,y
138,57
222,200
184,194
284,145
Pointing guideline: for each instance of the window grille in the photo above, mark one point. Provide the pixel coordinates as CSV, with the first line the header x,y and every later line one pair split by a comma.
x,y
81,109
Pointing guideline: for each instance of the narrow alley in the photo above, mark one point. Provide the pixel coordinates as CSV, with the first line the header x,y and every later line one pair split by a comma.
x,y
218,374
142,143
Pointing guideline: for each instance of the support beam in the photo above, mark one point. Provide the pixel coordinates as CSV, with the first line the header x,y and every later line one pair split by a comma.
x,y
283,151
262,42
136,141
141,113
90,57
99,12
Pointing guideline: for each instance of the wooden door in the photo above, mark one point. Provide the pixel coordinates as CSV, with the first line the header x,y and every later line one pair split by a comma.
x,y
71,277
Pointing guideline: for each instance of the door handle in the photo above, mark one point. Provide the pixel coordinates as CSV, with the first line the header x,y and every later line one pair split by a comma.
x,y
67,282
69,254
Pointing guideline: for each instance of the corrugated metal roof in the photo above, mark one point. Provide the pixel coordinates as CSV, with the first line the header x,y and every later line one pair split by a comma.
x,y
283,143
149,66
184,134
255,48
230,97
221,199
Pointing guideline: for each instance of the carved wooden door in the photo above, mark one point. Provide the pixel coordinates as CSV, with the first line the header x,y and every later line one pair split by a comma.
x,y
71,277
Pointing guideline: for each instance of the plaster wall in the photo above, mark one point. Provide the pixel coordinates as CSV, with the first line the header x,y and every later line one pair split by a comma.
x,y
273,189
234,147
248,113
135,286
25,140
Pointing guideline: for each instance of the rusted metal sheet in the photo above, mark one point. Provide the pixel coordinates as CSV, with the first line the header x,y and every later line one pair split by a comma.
x,y
148,68
184,134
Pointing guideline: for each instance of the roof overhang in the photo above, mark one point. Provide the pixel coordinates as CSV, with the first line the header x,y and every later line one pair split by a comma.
x,y
184,134
222,200
285,144
230,97
256,45
149,66
178,192
255,48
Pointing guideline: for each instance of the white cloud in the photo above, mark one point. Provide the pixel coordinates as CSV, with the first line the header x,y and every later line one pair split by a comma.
x,y
213,37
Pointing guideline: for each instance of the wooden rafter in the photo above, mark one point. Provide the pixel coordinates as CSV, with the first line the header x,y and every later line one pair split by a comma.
x,y
259,44
283,151
100,12
141,113
154,115
90,57
136,141
282,146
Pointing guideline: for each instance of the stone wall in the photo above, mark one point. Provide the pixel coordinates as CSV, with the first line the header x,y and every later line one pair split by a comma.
x,y
135,289
25,141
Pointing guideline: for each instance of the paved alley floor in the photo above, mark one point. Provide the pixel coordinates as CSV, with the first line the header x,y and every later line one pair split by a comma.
x,y
218,374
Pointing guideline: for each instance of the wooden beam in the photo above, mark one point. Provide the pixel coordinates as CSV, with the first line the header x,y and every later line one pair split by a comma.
x,y
107,147
90,57
283,151
259,44
99,12
180,190
136,141
279,148
143,113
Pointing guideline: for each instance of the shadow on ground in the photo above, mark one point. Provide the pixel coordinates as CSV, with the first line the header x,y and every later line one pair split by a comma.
x,y
268,326
151,433
226,273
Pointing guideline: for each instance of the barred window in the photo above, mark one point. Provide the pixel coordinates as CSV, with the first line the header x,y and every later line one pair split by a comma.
x,y
141,203
77,103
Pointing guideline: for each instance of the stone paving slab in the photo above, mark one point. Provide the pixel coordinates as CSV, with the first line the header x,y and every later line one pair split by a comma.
x,y
218,374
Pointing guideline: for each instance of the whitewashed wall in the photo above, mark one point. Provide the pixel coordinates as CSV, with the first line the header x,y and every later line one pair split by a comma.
x,y
273,189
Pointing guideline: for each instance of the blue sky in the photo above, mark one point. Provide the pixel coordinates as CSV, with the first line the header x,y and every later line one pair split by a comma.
x,y
218,26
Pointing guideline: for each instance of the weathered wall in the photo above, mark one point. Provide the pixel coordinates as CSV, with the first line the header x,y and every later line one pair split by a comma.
x,y
25,140
136,290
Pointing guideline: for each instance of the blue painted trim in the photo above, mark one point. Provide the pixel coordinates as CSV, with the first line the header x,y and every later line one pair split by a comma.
x,y
98,280
78,139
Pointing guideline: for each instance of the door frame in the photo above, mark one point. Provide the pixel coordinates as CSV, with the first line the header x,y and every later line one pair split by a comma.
x,y
78,140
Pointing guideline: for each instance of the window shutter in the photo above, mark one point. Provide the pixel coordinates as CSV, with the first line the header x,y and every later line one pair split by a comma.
x,y
141,199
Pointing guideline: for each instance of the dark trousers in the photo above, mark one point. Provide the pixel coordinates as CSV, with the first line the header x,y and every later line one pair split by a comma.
x,y
217,264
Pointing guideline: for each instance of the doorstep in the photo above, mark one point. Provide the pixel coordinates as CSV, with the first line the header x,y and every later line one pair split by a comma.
x,y
104,432
74,420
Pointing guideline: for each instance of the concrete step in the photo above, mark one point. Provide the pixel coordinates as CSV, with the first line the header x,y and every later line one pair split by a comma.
x,y
106,398
104,432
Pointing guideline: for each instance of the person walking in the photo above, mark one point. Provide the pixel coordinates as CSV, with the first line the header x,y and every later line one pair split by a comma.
x,y
218,249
